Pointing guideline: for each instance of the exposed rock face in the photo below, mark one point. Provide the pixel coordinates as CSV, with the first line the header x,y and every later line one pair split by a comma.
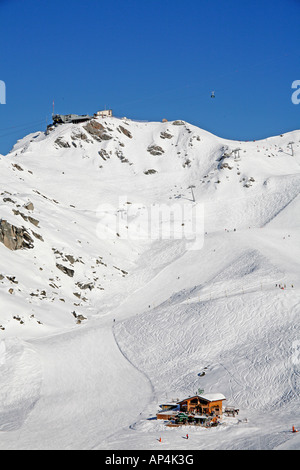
x,y
125,131
62,143
88,285
32,220
155,150
165,135
97,131
178,123
29,206
14,238
18,167
79,136
64,269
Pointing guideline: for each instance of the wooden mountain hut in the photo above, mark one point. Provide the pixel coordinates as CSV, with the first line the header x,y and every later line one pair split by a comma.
x,y
208,404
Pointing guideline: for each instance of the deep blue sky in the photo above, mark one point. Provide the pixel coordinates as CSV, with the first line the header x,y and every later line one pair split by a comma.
x,y
149,60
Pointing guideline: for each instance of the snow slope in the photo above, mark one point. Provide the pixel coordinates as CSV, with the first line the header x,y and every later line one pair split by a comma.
x,y
87,357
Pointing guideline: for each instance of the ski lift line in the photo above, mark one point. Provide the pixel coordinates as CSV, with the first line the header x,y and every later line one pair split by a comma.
x,y
21,130
257,64
201,86
23,125
245,68
173,90
141,100
24,129
156,95
163,93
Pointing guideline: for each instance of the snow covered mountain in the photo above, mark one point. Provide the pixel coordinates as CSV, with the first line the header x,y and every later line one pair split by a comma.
x,y
104,314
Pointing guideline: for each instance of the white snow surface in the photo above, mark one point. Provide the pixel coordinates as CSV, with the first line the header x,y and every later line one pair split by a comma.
x,y
161,319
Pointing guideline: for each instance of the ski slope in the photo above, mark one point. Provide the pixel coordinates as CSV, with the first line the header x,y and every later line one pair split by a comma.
x,y
159,317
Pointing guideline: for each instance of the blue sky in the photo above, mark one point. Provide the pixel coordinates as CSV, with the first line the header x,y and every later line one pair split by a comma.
x,y
149,60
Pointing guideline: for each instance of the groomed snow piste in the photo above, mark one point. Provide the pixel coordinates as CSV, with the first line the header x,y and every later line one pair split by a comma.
x,y
109,315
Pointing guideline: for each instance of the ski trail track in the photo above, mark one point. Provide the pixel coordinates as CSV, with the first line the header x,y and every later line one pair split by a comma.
x,y
236,333
69,376
140,346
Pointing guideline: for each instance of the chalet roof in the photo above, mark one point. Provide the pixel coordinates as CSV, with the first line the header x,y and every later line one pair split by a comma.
x,y
209,397
167,413
213,397
169,403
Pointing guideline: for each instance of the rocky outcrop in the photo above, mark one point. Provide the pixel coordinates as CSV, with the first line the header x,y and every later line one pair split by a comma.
x,y
29,206
125,131
60,142
155,150
14,238
178,123
28,218
87,285
18,167
65,270
79,136
165,135
97,131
